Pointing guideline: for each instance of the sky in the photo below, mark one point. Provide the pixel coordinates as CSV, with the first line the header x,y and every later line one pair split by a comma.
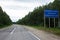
x,y
17,9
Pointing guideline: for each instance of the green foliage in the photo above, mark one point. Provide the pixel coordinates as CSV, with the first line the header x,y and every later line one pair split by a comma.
x,y
36,17
4,18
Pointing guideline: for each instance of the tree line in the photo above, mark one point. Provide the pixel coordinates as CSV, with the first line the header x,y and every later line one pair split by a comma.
x,y
36,17
4,19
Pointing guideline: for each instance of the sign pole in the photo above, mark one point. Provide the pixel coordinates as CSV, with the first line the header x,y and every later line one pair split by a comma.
x,y
49,22
58,20
44,20
54,22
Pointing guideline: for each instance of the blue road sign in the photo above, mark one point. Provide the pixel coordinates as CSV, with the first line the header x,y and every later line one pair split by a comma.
x,y
51,13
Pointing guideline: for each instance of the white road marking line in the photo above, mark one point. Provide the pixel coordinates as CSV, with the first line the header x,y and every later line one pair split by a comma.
x,y
34,35
12,31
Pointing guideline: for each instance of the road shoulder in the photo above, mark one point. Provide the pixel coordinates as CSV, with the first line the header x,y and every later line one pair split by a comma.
x,y
42,34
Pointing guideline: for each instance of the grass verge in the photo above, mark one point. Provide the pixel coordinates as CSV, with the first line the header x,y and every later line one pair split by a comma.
x,y
51,30
4,26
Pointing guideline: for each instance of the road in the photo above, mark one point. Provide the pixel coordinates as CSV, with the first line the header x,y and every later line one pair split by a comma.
x,y
17,32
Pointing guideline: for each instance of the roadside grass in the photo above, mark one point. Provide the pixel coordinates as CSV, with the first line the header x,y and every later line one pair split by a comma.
x,y
4,26
51,30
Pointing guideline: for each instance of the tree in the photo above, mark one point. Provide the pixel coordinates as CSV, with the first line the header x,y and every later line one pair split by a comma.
x,y
36,17
4,18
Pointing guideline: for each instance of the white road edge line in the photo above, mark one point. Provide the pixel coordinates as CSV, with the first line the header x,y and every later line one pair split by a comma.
x,y
12,31
34,35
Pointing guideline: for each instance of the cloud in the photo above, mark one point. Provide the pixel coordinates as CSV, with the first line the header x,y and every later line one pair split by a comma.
x,y
17,9
27,0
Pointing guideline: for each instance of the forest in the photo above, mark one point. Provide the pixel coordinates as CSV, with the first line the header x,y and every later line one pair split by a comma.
x,y
36,17
4,19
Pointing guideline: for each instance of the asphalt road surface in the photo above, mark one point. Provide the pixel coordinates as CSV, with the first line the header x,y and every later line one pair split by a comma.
x,y
17,32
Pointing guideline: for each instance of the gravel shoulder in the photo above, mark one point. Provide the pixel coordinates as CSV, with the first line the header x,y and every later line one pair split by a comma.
x,y
42,34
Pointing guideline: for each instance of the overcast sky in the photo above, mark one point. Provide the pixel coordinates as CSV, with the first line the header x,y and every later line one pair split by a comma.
x,y
17,9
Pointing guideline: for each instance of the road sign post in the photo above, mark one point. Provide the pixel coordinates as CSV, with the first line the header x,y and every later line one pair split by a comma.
x,y
54,22
44,20
50,14
49,22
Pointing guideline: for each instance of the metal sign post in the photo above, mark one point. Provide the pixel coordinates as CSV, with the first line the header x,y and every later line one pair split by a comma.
x,y
54,22
49,22
58,21
44,20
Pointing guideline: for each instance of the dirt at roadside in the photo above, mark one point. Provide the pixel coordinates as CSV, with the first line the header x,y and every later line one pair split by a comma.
x,y
42,34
